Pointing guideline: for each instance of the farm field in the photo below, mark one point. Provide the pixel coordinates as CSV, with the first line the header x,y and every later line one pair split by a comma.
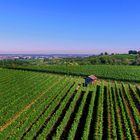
x,y
112,72
48,106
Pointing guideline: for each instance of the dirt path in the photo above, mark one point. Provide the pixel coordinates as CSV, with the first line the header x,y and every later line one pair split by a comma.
x,y
132,120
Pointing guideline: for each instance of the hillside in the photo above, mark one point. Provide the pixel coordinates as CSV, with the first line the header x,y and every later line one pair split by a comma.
x,y
37,106
115,59
110,72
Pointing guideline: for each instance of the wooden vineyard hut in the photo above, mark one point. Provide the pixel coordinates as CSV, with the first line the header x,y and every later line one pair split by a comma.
x,y
90,79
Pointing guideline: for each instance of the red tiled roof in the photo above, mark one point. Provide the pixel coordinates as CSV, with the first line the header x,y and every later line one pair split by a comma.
x,y
93,77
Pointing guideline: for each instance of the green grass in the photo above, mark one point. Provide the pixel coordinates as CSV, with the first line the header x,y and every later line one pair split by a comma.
x,y
124,56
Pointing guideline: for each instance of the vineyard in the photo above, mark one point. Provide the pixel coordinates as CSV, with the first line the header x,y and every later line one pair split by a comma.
x,y
48,106
111,72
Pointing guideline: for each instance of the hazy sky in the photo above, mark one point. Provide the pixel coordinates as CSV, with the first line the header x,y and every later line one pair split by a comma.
x,y
69,26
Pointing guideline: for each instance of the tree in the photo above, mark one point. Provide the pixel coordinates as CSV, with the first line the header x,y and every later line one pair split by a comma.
x,y
101,54
138,53
132,52
106,53
137,60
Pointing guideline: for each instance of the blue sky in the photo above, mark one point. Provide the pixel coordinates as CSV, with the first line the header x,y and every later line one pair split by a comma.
x,y
69,26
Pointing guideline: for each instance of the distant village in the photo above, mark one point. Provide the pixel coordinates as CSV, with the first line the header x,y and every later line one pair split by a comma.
x,y
34,56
